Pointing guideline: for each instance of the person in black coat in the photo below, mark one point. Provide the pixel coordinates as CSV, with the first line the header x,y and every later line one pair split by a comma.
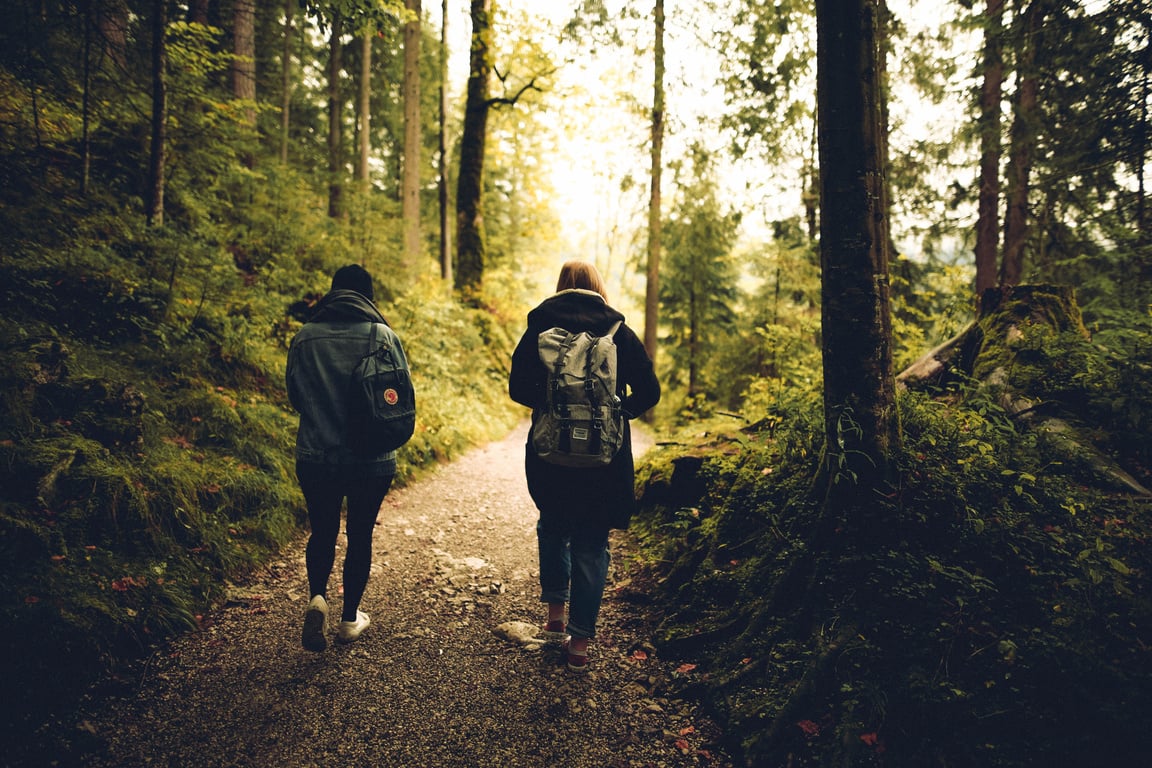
x,y
579,506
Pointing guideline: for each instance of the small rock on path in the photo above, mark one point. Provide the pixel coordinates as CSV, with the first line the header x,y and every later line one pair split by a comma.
x,y
431,683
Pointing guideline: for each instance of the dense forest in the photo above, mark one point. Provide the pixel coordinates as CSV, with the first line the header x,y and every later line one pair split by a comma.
x,y
899,510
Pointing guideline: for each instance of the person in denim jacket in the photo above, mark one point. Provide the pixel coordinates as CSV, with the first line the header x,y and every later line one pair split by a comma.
x,y
321,359
579,506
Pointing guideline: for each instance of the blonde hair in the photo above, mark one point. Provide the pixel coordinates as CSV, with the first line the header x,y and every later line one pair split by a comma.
x,y
581,275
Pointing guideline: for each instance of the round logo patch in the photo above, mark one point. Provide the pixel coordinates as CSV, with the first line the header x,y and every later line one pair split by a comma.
x,y
391,396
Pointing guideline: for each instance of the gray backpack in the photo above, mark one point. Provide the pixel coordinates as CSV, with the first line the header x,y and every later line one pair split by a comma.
x,y
581,423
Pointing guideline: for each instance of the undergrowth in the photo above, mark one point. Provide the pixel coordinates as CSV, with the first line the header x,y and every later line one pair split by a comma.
x,y
1000,619
146,441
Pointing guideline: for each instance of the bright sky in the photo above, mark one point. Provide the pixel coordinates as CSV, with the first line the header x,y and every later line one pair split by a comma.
x,y
604,140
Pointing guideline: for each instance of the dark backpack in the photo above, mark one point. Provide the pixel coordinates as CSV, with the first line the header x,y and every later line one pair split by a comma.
x,y
581,423
382,401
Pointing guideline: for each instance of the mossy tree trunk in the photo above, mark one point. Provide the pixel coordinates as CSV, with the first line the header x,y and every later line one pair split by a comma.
x,y
861,425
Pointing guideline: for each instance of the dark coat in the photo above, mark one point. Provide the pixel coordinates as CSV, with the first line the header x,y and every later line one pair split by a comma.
x,y
600,496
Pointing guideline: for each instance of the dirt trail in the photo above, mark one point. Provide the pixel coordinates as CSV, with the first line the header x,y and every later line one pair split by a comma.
x,y
429,683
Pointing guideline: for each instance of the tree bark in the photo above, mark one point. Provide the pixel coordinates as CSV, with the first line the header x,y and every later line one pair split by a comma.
x,y
335,119
85,108
365,110
244,61
410,183
198,11
442,184
112,21
988,207
655,218
286,82
861,426
470,244
1023,141
156,155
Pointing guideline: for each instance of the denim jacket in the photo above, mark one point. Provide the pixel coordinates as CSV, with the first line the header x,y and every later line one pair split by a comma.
x,y
321,358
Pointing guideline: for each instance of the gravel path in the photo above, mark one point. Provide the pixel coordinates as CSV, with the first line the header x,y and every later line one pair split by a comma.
x,y
430,683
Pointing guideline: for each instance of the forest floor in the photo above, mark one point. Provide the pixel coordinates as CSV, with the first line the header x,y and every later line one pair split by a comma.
x,y
431,683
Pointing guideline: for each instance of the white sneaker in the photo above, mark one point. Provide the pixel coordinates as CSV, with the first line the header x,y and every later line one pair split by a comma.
x,y
315,622
350,630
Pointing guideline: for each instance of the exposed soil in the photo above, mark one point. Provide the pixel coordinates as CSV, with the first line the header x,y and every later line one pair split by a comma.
x,y
430,683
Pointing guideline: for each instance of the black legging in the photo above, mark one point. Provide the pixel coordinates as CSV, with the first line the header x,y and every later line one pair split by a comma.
x,y
324,494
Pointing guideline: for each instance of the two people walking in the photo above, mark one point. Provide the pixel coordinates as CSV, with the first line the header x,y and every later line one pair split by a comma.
x,y
578,506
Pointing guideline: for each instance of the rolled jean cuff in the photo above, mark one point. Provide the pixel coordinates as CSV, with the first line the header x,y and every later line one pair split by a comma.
x,y
554,596
577,631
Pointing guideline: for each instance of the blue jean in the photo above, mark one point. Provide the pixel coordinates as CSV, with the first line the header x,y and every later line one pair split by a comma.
x,y
574,570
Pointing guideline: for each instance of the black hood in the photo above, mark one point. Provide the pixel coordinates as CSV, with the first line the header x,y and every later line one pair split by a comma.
x,y
345,306
575,311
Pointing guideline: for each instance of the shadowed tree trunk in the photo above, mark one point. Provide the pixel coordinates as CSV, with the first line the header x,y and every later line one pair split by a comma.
x,y
988,217
861,427
469,184
156,156
198,11
1022,145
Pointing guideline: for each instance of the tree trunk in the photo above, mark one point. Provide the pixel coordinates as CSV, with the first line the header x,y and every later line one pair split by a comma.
x,y
112,21
988,216
861,426
655,219
470,182
365,110
198,11
442,183
85,107
1023,142
410,184
286,82
244,62
335,119
156,156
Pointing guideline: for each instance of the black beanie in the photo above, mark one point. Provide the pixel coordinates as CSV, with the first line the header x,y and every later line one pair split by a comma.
x,y
354,278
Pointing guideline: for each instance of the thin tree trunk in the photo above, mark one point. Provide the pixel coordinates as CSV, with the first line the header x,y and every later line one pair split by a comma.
x,y
365,110
442,184
85,137
988,217
1023,142
410,183
811,194
470,244
156,157
286,82
1142,144
335,118
655,218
